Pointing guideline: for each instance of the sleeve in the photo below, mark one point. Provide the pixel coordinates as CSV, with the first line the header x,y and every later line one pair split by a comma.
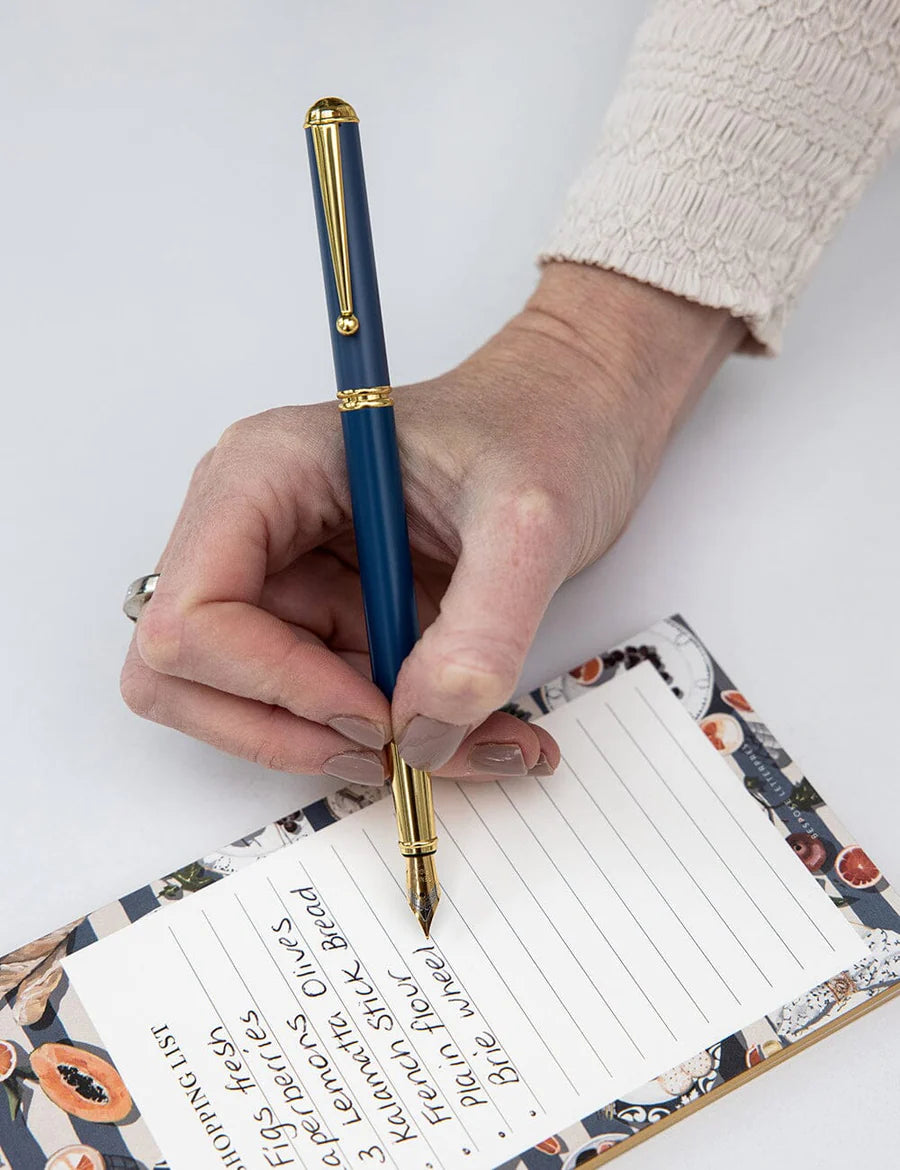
x,y
741,134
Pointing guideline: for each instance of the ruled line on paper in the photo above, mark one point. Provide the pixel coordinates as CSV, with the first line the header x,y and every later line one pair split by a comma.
x,y
525,949
674,738
262,1015
675,915
554,1058
375,1060
741,887
629,974
220,1017
553,926
403,963
308,1022
596,864
216,1010
661,835
371,979
445,897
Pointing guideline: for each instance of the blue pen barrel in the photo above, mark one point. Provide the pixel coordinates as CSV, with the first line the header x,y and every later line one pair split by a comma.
x,y
373,460
382,540
373,465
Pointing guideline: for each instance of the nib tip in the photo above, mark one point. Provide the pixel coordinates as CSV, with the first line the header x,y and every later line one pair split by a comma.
x,y
423,891
425,920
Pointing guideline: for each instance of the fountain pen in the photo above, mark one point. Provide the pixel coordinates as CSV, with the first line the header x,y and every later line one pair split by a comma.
x,y
373,462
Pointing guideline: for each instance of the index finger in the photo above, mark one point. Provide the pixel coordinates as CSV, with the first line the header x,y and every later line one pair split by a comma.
x,y
204,624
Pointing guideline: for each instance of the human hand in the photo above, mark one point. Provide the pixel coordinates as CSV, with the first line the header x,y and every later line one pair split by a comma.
x,y
521,467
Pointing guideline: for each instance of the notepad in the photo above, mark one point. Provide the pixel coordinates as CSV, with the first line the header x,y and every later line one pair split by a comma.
x,y
674,910
596,927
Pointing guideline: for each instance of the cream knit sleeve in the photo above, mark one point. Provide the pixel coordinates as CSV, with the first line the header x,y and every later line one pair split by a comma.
x,y
741,134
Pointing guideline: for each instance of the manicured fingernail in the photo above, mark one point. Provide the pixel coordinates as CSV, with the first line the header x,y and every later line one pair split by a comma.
x,y
364,731
429,743
357,767
542,767
498,759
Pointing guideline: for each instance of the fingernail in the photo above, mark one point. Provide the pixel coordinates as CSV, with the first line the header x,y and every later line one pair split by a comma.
x,y
429,743
498,759
357,767
364,731
542,767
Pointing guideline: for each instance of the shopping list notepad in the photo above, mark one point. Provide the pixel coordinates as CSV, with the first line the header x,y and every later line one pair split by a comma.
x,y
596,927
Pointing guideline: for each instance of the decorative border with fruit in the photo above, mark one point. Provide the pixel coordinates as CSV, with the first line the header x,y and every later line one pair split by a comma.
x,y
66,1107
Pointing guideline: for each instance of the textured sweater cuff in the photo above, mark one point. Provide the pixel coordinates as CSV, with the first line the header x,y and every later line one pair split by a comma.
x,y
739,138
663,230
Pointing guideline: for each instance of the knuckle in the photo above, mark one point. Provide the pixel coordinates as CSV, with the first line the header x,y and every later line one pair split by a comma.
x,y
247,431
138,687
268,747
272,755
199,472
250,455
538,529
537,510
240,444
475,680
158,638
235,435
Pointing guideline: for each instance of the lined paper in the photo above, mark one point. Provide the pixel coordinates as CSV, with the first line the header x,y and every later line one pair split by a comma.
x,y
597,927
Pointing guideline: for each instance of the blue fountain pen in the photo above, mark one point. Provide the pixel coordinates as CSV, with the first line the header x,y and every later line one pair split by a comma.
x,y
373,461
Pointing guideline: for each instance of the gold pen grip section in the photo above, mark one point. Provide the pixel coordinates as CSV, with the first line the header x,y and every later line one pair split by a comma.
x,y
414,806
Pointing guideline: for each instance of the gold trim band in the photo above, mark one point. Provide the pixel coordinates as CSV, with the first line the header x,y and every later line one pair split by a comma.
x,y
370,396
418,848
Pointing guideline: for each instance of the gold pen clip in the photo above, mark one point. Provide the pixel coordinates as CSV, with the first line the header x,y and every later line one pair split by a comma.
x,y
324,120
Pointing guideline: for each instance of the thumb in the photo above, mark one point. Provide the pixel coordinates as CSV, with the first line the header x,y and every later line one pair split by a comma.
x,y
468,661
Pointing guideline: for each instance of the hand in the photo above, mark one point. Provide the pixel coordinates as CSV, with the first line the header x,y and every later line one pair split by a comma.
x,y
521,467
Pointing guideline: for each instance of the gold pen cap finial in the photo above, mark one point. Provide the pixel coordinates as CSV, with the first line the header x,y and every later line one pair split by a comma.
x,y
328,110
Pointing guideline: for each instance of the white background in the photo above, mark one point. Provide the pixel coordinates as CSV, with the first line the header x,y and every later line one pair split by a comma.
x,y
159,278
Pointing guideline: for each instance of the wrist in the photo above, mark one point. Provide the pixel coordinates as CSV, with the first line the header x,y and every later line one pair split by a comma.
x,y
640,337
593,375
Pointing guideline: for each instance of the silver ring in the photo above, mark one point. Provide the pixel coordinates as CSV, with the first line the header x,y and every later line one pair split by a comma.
x,y
139,593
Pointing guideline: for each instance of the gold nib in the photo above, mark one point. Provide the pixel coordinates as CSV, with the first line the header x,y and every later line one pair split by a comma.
x,y
423,890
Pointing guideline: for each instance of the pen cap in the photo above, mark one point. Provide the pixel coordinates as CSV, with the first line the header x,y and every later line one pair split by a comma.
x,y
345,242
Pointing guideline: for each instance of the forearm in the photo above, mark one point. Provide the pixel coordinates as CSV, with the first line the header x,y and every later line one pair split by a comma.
x,y
739,138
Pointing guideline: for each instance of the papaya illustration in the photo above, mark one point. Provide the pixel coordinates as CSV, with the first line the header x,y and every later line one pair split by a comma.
x,y
84,1085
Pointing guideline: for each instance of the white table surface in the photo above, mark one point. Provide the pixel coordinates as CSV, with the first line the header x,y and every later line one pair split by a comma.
x,y
160,278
